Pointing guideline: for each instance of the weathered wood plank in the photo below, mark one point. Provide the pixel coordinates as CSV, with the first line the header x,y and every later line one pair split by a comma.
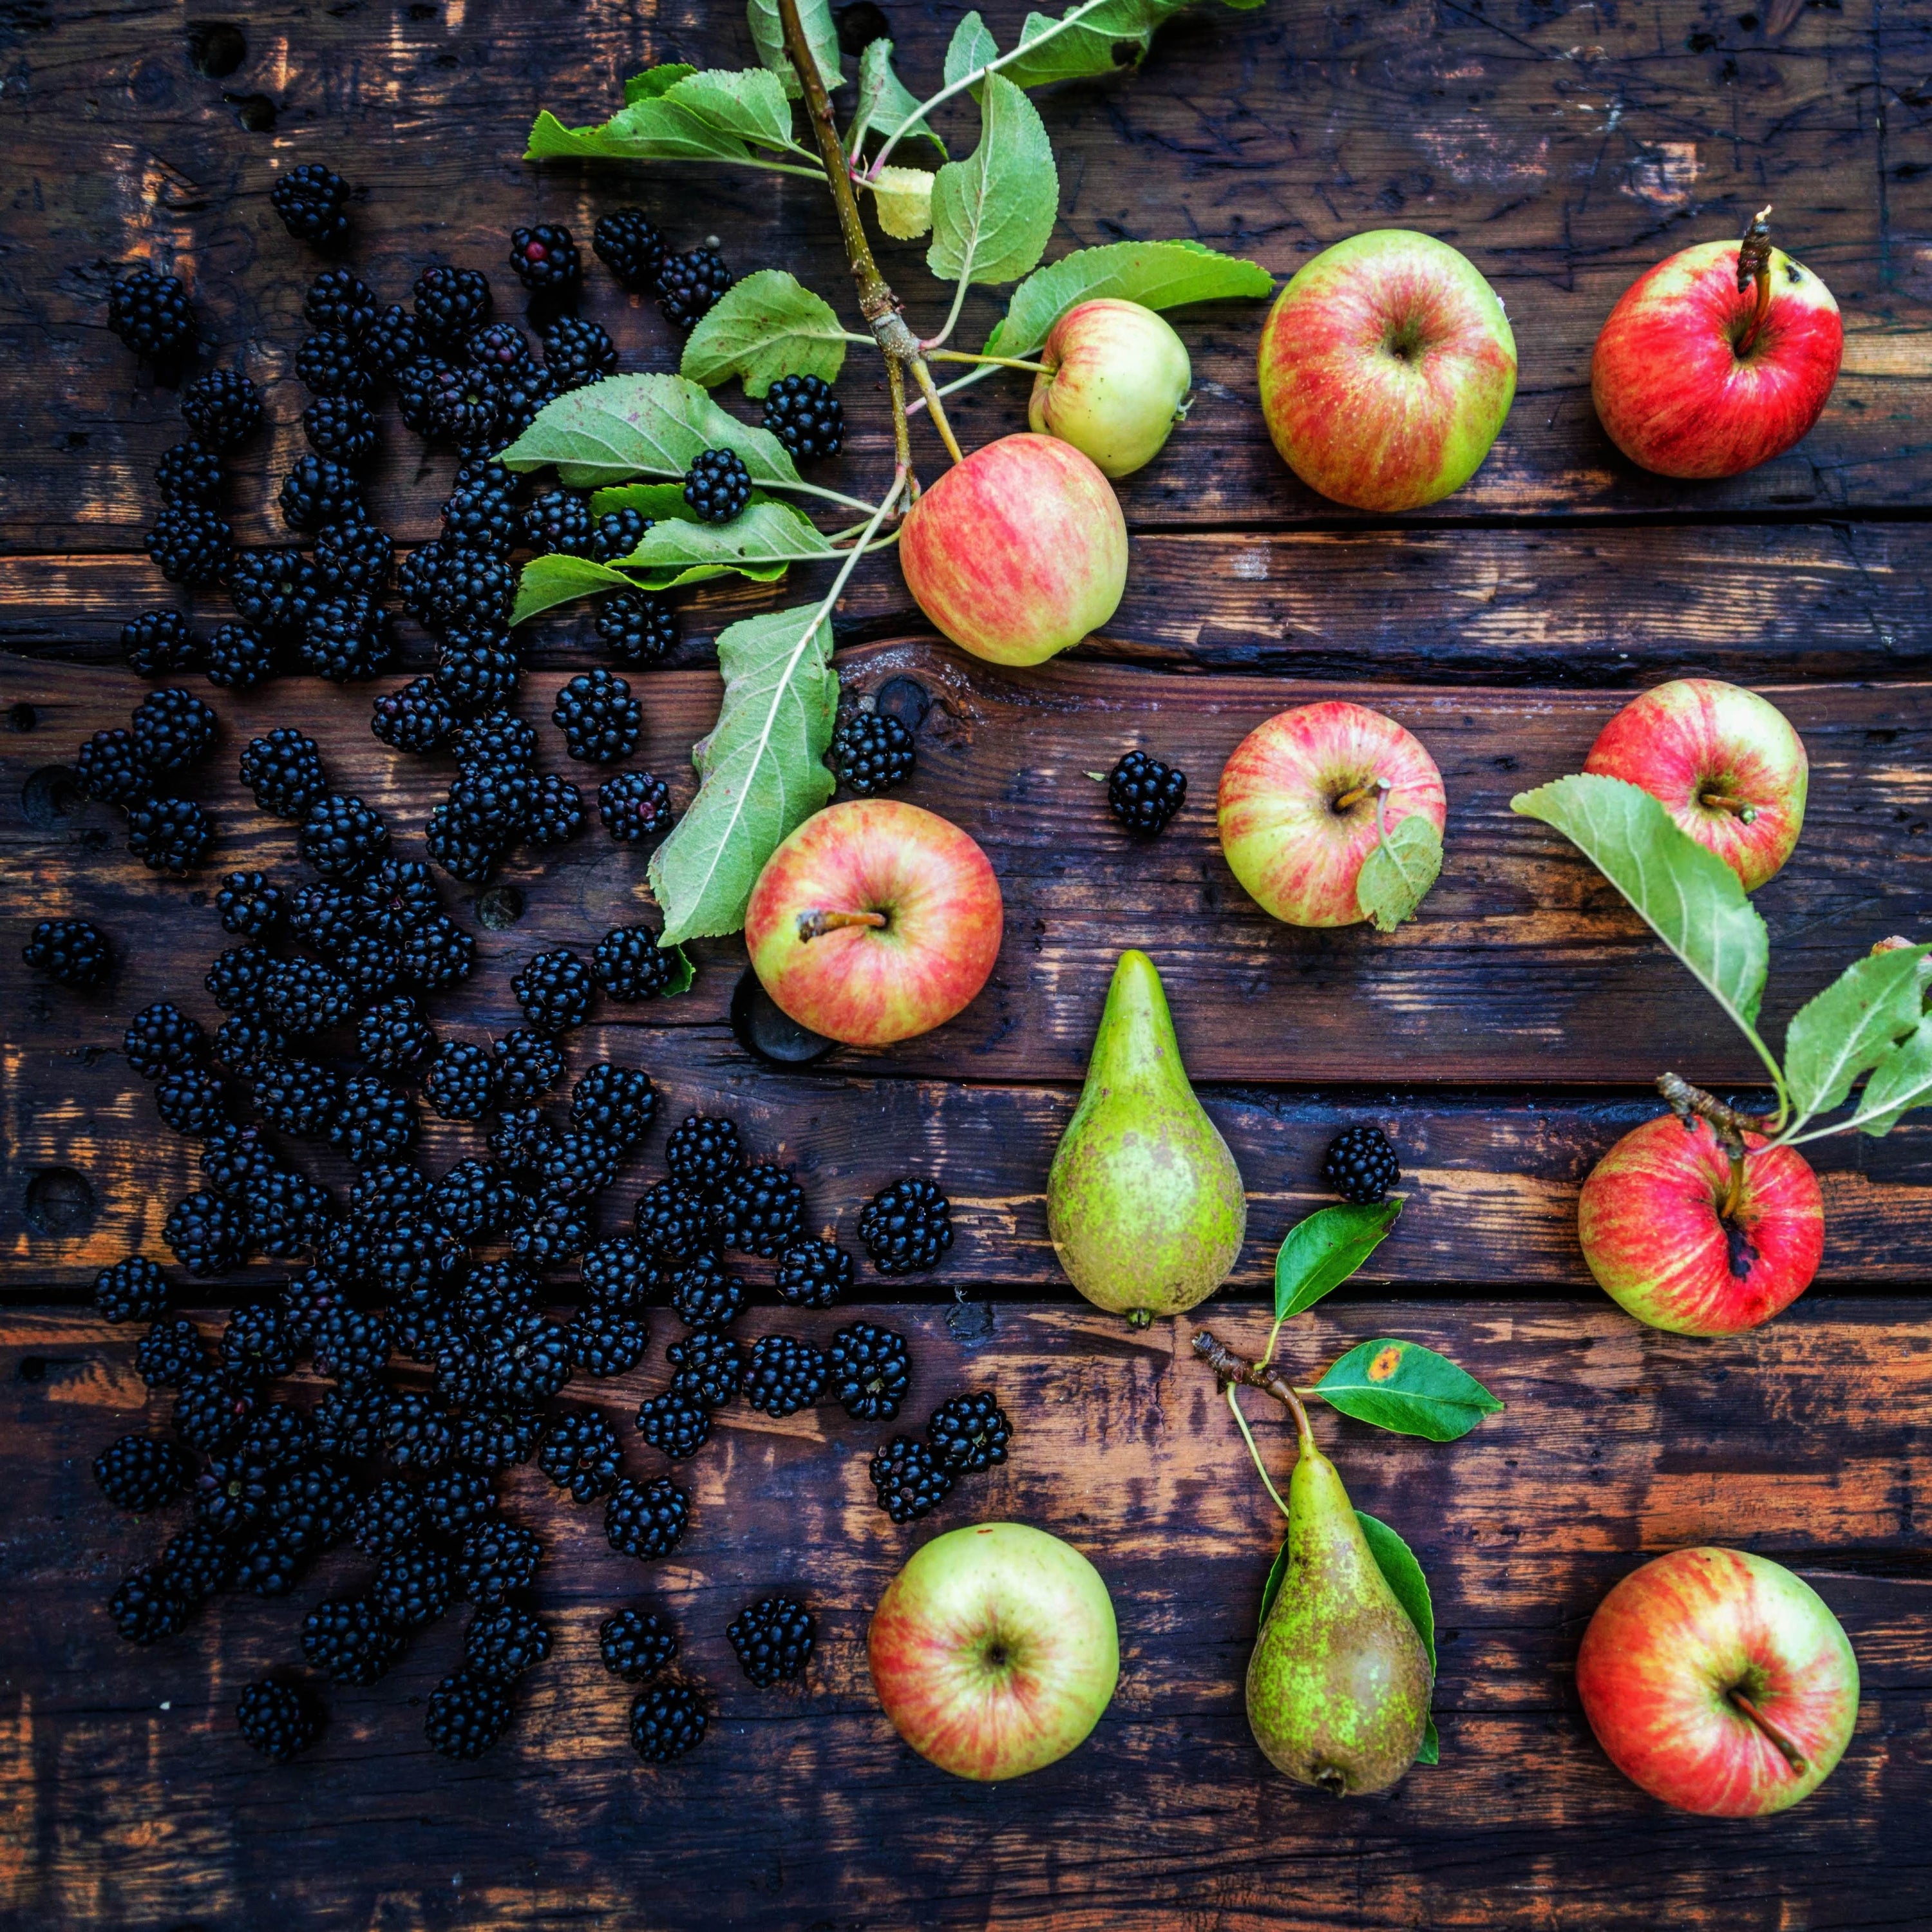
x,y
130,1801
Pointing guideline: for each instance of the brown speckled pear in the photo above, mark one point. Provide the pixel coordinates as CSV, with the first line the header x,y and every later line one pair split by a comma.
x,y
1144,1202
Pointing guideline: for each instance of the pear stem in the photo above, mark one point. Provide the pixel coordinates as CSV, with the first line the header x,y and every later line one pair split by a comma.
x,y
1255,1454
816,925
1229,1369
1787,1745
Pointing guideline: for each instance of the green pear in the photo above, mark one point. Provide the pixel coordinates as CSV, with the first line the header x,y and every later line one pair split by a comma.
x,y
1339,1684
1144,1202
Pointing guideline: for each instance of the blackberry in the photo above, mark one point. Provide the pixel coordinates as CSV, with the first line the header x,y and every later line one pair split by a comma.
x,y
418,578
449,303
134,1290
269,1563
210,1411
352,1346
558,523
462,854
580,1452
311,1504
372,1120
416,1431
475,673
283,770
465,406
349,1422
708,1367
161,1037
467,1713
437,955
244,1046
190,472
341,837
474,1199
604,1342
575,1166
814,1274
310,202
481,513
578,352
620,1273
167,834
457,1501
460,1084
325,916
688,285
339,298
491,802
308,1300
190,544
499,740
501,1644
459,1382
870,1371
171,729
298,1097
598,717
255,1344
635,627
140,1473
356,557
970,1432
718,486
416,718
327,365
498,348
205,1235
759,1211
527,1358
370,964
804,415
527,390
388,1518
152,316
628,243
518,1136
629,965
391,342
526,1066
496,1561
346,639
303,996
556,811
674,1423
784,1375
554,991
645,1519
672,1221
159,643
70,950
544,258
394,1035
107,767
340,428
235,979
288,1214
148,1606
222,407
349,1643
616,533
276,1718
238,658
1361,1165
494,1294
192,1101
907,1227
871,752
617,1103
197,1563
702,1153
908,1479
667,1720
634,1645
1143,794
633,805
547,1233
317,491
773,1639
397,899
169,1354
416,382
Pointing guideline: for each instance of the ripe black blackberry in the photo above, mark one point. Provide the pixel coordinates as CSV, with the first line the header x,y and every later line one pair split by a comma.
x,y
773,1639
580,1452
190,544
416,718
547,1234
575,1166
237,978
814,1274
556,811
244,1045
871,752
140,1473
598,717
629,965
460,1084
462,852
578,352
526,1065
494,1293
526,391
159,643
784,1375
634,1645
168,1354
497,1561
416,1431
369,965
869,1371
348,1641
907,1227
703,1152
190,472
475,1198
438,954
559,524
1143,794
352,1345
518,1136
327,365
645,1519
606,1342
171,729
148,1606
970,1432
688,285
617,1103
326,916
311,1505
491,803
1361,1165
312,201
667,1720
298,1097
70,950
634,806
191,1101
152,316
238,657
718,486
616,534
416,382
276,1718
303,996
499,349
499,740
255,1344
348,1422
628,243
468,1712
704,1295
210,1411
707,1366
465,406
197,1563
317,491
388,1517
107,767
635,627
804,415
449,303
341,837
481,513
339,298
554,991
621,1273
340,427
273,591
544,258
759,1211
346,639
672,1221
501,1644
372,1120
134,1290
355,557
283,770
394,1035
168,834
160,1037
908,1479
222,407
527,1359
391,342
674,1423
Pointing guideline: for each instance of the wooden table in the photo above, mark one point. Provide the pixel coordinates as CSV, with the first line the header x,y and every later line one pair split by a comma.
x,y
1504,1039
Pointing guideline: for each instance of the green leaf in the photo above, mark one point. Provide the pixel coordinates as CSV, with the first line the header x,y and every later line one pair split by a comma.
x,y
1156,274
707,116
884,102
993,212
760,543
1086,39
747,103
1320,1252
682,974
768,325
903,199
653,425
1402,1386
1395,877
654,81
821,36
1851,1026
761,772
549,581
971,47
1686,894
1901,1081
657,501
551,140
1403,1574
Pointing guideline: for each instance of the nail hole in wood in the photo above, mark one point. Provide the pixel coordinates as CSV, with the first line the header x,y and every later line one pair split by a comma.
x,y
859,24
766,1032
31,1368
255,111
906,699
499,908
215,48
59,1203
22,718
49,795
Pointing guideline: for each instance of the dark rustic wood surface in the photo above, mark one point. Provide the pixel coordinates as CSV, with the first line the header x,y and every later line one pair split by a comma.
x,y
1505,1039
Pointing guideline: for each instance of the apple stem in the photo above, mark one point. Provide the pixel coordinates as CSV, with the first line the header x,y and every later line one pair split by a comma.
x,y
1350,800
994,361
816,925
1729,1125
1229,1369
1754,265
1719,801
1787,1745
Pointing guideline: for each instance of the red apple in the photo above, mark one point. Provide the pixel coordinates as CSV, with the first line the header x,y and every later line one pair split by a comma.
x,y
1694,377
1120,375
1719,1682
1727,765
1651,1218
1018,551
994,1651
1387,368
1297,806
875,921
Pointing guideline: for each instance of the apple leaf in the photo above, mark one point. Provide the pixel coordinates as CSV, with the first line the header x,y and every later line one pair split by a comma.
x,y
1321,1252
993,212
1156,274
768,325
1901,1081
674,115
821,36
657,501
682,973
761,770
1850,1027
656,80
547,581
903,199
1395,877
971,47
885,103
1097,38
760,543
1407,1389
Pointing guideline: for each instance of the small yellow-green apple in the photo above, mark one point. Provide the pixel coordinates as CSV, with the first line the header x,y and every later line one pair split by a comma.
x,y
1719,1682
1654,1227
1298,805
1387,368
1018,551
875,921
1724,763
994,1650
1120,375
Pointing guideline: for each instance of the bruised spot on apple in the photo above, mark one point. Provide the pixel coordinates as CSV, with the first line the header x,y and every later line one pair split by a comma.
x,y
1651,1221
1723,761
1719,1682
1118,375
1018,551
1297,806
876,920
